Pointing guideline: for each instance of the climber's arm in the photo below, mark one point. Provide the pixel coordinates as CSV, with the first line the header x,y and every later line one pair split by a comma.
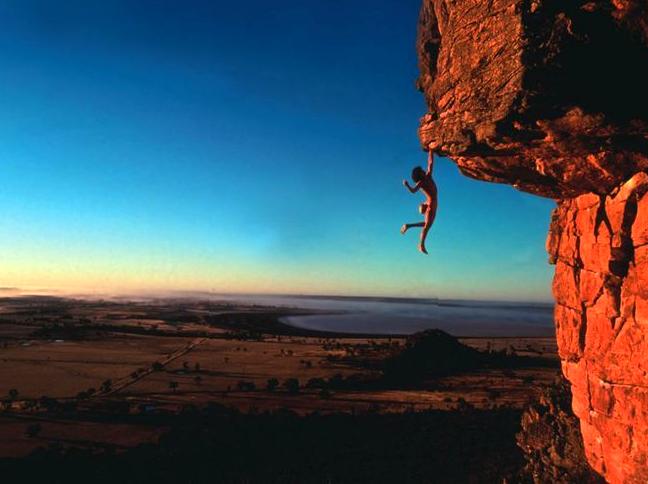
x,y
430,162
412,189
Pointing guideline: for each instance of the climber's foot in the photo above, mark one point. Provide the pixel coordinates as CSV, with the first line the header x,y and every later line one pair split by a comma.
x,y
422,248
404,228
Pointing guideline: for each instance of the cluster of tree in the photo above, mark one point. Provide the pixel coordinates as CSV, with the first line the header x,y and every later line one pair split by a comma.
x,y
12,395
246,386
292,386
244,335
106,386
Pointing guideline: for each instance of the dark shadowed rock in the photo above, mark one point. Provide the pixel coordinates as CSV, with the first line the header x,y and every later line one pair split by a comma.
x,y
551,441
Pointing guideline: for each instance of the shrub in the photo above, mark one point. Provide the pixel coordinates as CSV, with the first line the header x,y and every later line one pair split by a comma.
x,y
317,383
246,386
272,384
292,385
33,430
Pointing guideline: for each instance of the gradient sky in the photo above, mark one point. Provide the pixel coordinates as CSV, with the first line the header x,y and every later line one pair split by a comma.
x,y
237,146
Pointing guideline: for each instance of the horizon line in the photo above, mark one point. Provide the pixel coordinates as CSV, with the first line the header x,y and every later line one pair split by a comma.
x,y
171,293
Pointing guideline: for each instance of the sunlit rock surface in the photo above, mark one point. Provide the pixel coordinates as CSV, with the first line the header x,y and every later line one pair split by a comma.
x,y
552,98
549,96
600,247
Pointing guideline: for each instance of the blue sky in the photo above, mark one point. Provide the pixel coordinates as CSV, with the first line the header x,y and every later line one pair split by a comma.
x,y
237,146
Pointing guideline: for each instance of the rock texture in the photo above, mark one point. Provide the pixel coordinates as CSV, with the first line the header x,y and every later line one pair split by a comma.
x,y
552,98
551,441
548,96
600,248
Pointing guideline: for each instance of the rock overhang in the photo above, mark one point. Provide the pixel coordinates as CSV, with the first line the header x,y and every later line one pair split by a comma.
x,y
550,97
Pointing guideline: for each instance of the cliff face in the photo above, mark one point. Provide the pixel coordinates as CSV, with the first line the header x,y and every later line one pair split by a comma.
x,y
552,98
600,248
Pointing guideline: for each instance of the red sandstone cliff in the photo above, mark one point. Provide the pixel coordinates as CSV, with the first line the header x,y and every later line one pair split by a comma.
x,y
552,98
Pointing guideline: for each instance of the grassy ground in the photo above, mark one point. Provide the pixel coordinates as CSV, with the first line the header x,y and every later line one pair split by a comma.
x,y
186,387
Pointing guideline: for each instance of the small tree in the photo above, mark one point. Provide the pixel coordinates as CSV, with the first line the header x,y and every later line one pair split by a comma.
x,y
106,386
246,386
272,384
13,394
157,366
463,405
33,430
292,385
317,383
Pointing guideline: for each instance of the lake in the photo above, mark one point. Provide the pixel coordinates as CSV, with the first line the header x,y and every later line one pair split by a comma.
x,y
406,316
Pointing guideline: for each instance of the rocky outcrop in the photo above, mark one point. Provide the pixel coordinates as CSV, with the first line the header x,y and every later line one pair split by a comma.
x,y
552,98
546,95
551,441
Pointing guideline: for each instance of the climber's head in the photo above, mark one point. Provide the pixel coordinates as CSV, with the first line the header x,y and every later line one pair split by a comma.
x,y
418,174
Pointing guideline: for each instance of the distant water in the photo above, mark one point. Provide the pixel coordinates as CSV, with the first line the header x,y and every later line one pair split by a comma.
x,y
407,316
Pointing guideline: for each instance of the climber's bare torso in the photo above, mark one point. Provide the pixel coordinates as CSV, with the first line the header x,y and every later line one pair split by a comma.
x,y
429,188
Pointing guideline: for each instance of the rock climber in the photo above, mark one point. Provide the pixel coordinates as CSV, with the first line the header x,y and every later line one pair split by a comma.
x,y
423,181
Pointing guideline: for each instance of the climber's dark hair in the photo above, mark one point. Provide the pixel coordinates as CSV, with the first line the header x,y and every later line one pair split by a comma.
x,y
418,174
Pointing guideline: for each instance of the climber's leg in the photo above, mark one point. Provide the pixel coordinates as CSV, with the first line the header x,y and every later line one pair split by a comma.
x,y
406,227
429,220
